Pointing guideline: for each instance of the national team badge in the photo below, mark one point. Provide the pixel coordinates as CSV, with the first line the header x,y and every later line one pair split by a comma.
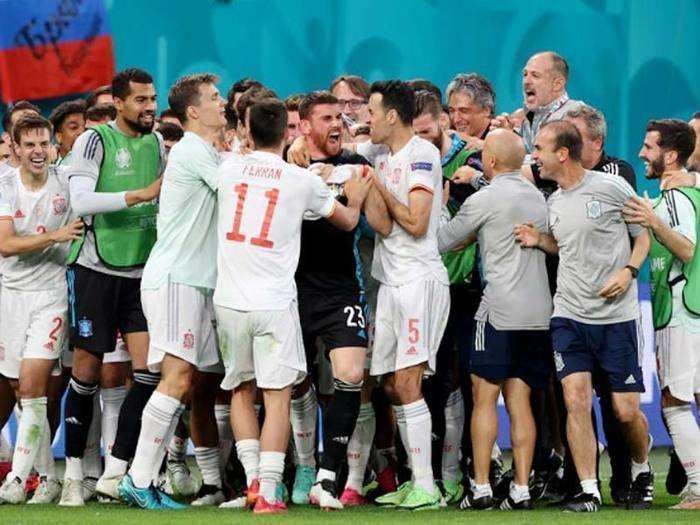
x,y
593,209
85,328
60,205
122,158
188,341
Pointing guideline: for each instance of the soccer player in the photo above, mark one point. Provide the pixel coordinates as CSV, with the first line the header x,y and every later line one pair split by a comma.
x,y
511,348
177,285
35,228
332,309
262,201
68,120
594,323
12,115
413,301
673,221
114,178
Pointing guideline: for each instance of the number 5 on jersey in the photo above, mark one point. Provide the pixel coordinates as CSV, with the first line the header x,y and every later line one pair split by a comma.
x,y
261,240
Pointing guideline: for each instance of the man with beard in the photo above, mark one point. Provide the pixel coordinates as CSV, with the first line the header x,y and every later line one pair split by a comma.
x,y
594,324
673,222
113,179
331,309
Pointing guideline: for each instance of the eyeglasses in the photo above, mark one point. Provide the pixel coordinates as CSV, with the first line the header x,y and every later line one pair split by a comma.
x,y
354,103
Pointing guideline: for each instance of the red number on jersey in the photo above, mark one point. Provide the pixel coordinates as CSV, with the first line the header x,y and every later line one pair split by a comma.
x,y
413,333
261,240
41,229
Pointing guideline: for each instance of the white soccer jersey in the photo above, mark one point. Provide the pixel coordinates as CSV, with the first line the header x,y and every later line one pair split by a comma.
x,y
36,212
262,200
401,258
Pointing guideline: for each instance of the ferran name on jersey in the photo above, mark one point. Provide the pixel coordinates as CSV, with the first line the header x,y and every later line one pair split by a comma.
x,y
593,209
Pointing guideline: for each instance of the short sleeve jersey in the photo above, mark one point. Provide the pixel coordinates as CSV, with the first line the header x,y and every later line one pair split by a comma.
x,y
35,212
676,210
400,258
262,201
587,223
185,251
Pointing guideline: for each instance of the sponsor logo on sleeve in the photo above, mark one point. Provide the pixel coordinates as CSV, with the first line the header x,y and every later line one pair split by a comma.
x,y
426,166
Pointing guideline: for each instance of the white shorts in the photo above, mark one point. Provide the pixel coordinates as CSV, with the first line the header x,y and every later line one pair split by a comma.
x,y
410,321
263,345
180,323
678,362
33,325
120,354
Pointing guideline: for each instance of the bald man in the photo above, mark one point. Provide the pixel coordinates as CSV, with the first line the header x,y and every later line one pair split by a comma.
x,y
510,353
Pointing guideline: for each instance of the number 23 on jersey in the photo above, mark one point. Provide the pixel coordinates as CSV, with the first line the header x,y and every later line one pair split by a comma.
x,y
261,239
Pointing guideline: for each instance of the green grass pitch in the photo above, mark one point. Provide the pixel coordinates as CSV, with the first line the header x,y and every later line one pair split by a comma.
x,y
102,514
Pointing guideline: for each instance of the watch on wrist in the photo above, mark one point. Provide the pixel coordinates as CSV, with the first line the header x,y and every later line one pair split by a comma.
x,y
634,271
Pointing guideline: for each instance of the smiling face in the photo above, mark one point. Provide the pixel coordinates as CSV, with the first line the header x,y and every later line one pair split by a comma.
x,y
541,84
427,127
33,150
467,117
138,110
351,104
71,128
653,155
380,120
548,159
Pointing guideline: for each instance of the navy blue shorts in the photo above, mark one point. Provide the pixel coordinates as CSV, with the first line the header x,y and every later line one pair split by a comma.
x,y
497,355
610,349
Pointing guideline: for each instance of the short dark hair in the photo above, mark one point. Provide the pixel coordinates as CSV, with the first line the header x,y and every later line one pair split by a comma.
x,y
427,103
249,97
60,112
100,111
358,85
14,108
674,135
421,84
91,99
168,113
559,64
267,119
566,135
185,93
314,99
292,101
396,95
120,83
240,86
27,123
171,131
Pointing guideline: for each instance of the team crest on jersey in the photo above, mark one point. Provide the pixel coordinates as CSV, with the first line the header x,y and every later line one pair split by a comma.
x,y
85,327
188,340
395,176
48,346
593,209
60,205
19,214
122,158
558,361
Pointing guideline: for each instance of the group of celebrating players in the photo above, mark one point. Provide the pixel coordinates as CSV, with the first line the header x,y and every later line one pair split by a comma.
x,y
206,276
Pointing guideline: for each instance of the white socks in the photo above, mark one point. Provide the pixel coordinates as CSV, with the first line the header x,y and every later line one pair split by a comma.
x,y
222,414
208,463
359,447
686,439
159,416
248,451
112,399
32,426
590,486
454,425
271,468
44,462
415,426
303,417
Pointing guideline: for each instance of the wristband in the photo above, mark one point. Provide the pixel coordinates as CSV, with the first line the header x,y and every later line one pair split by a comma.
x,y
634,271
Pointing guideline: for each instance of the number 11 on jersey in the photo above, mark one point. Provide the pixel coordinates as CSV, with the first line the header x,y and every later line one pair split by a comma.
x,y
261,239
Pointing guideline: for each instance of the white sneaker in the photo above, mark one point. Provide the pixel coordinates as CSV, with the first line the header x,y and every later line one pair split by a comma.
x,y
323,497
108,487
12,491
236,503
72,494
181,479
213,499
48,491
